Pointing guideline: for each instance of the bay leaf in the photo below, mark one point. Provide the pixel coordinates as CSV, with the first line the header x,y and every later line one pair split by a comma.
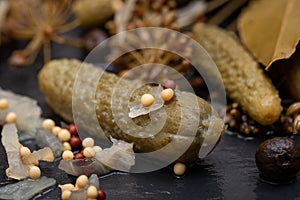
x,y
270,29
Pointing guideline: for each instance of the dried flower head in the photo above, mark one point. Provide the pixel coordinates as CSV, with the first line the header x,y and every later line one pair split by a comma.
x,y
143,13
40,21
147,13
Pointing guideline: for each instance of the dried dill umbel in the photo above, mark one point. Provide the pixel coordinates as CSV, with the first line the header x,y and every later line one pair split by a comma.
x,y
147,13
40,22
143,13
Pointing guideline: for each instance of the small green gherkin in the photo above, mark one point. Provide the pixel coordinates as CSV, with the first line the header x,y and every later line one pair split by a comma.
x,y
197,123
244,80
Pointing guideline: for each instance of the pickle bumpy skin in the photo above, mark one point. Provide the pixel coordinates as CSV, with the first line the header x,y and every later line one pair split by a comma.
x,y
56,81
244,80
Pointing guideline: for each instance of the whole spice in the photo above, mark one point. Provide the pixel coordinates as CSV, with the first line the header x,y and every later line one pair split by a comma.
x,y
40,22
67,155
101,195
78,156
245,82
296,124
55,130
3,104
64,135
243,124
92,192
73,129
75,142
66,194
144,13
82,181
278,159
167,94
11,117
179,169
89,152
147,13
88,142
25,151
67,146
294,110
270,31
68,187
85,188
147,100
48,124
34,172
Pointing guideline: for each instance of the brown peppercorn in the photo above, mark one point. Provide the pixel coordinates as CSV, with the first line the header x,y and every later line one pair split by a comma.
x,y
73,129
78,156
101,195
75,142
278,159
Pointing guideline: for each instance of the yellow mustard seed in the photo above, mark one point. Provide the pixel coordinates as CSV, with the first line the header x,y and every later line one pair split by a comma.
x,y
11,117
167,94
3,104
82,181
67,155
55,130
88,142
34,172
67,186
25,151
179,169
48,124
64,135
92,192
89,152
65,195
147,100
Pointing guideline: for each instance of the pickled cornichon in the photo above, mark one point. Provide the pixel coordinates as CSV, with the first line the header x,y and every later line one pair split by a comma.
x,y
244,80
56,81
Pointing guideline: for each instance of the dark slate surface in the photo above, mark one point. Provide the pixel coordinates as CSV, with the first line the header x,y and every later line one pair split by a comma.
x,y
228,173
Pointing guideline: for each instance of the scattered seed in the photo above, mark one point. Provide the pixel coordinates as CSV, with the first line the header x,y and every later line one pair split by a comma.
x,y
11,117
48,124
167,94
67,155
3,104
179,169
147,100
34,172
